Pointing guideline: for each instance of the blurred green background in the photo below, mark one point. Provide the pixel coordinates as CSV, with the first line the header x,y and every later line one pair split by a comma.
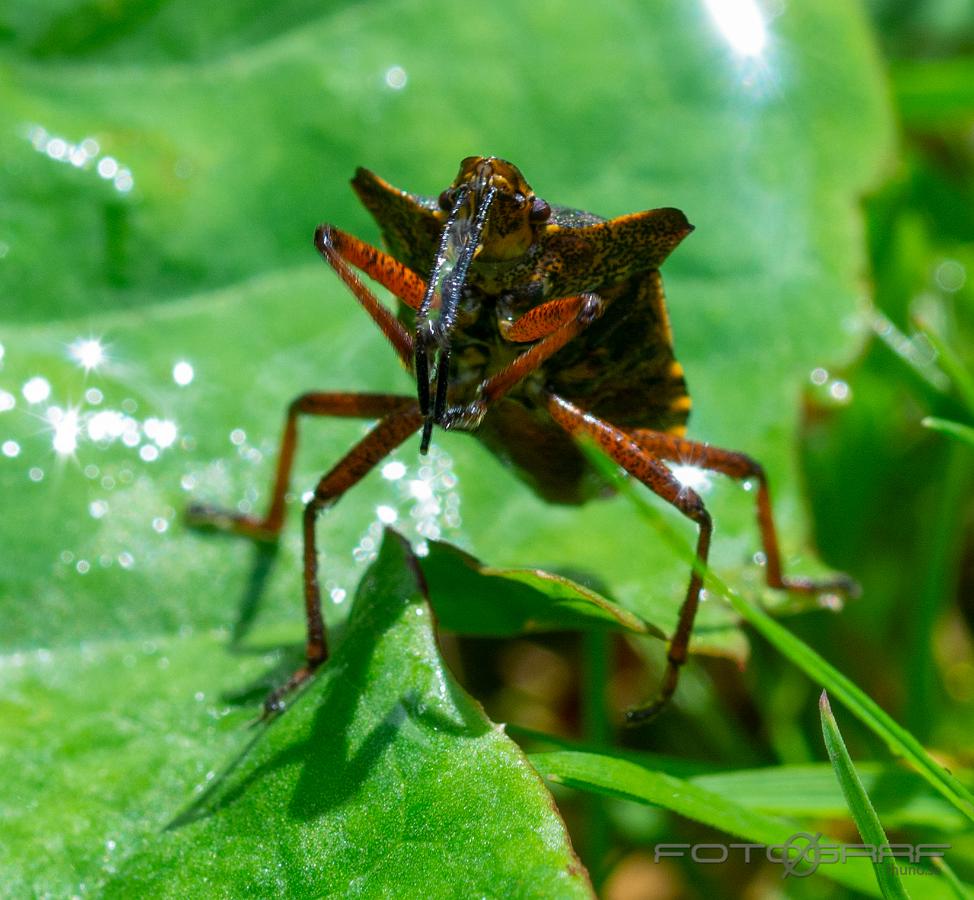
x,y
163,168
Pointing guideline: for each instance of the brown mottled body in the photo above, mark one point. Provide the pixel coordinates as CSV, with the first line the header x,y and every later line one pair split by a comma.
x,y
543,324
622,368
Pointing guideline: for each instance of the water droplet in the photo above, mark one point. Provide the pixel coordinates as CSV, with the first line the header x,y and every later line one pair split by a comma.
x,y
7,401
396,77
393,471
951,275
11,449
36,390
107,167
57,148
35,473
83,566
88,353
182,373
159,525
840,392
97,509
830,601
238,436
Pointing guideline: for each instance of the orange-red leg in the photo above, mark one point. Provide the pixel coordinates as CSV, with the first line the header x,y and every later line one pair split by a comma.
x,y
340,405
740,466
642,464
399,419
543,319
355,465
342,251
585,309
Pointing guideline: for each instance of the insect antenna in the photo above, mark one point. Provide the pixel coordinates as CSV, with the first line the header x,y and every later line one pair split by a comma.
x,y
458,244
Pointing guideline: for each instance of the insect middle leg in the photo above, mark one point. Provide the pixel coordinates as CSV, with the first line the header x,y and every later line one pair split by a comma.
x,y
388,434
639,462
741,467
399,418
340,405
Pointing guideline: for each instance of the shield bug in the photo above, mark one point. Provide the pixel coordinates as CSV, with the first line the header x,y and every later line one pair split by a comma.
x,y
528,325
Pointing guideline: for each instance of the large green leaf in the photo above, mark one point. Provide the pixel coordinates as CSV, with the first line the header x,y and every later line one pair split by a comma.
x,y
227,135
368,782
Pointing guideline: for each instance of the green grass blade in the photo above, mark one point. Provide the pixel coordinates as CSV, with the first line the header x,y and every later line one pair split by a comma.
x,y
897,738
628,780
952,365
954,429
950,876
866,819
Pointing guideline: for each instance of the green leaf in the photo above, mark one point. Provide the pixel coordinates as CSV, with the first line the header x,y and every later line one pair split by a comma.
x,y
369,783
471,598
934,93
867,821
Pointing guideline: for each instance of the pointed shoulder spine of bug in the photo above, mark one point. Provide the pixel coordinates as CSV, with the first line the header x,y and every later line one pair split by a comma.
x,y
410,223
616,249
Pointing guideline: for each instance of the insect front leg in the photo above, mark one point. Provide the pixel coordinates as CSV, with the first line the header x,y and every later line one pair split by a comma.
x,y
342,251
741,467
355,465
341,405
556,323
642,464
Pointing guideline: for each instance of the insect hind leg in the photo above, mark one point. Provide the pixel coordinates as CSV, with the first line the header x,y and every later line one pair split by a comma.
x,y
641,463
742,467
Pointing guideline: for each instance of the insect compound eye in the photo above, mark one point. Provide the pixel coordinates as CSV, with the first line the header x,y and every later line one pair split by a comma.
x,y
446,200
540,211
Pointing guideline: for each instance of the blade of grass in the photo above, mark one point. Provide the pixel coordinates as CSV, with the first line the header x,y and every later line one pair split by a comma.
x,y
954,429
806,791
863,813
631,781
952,365
897,738
950,876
